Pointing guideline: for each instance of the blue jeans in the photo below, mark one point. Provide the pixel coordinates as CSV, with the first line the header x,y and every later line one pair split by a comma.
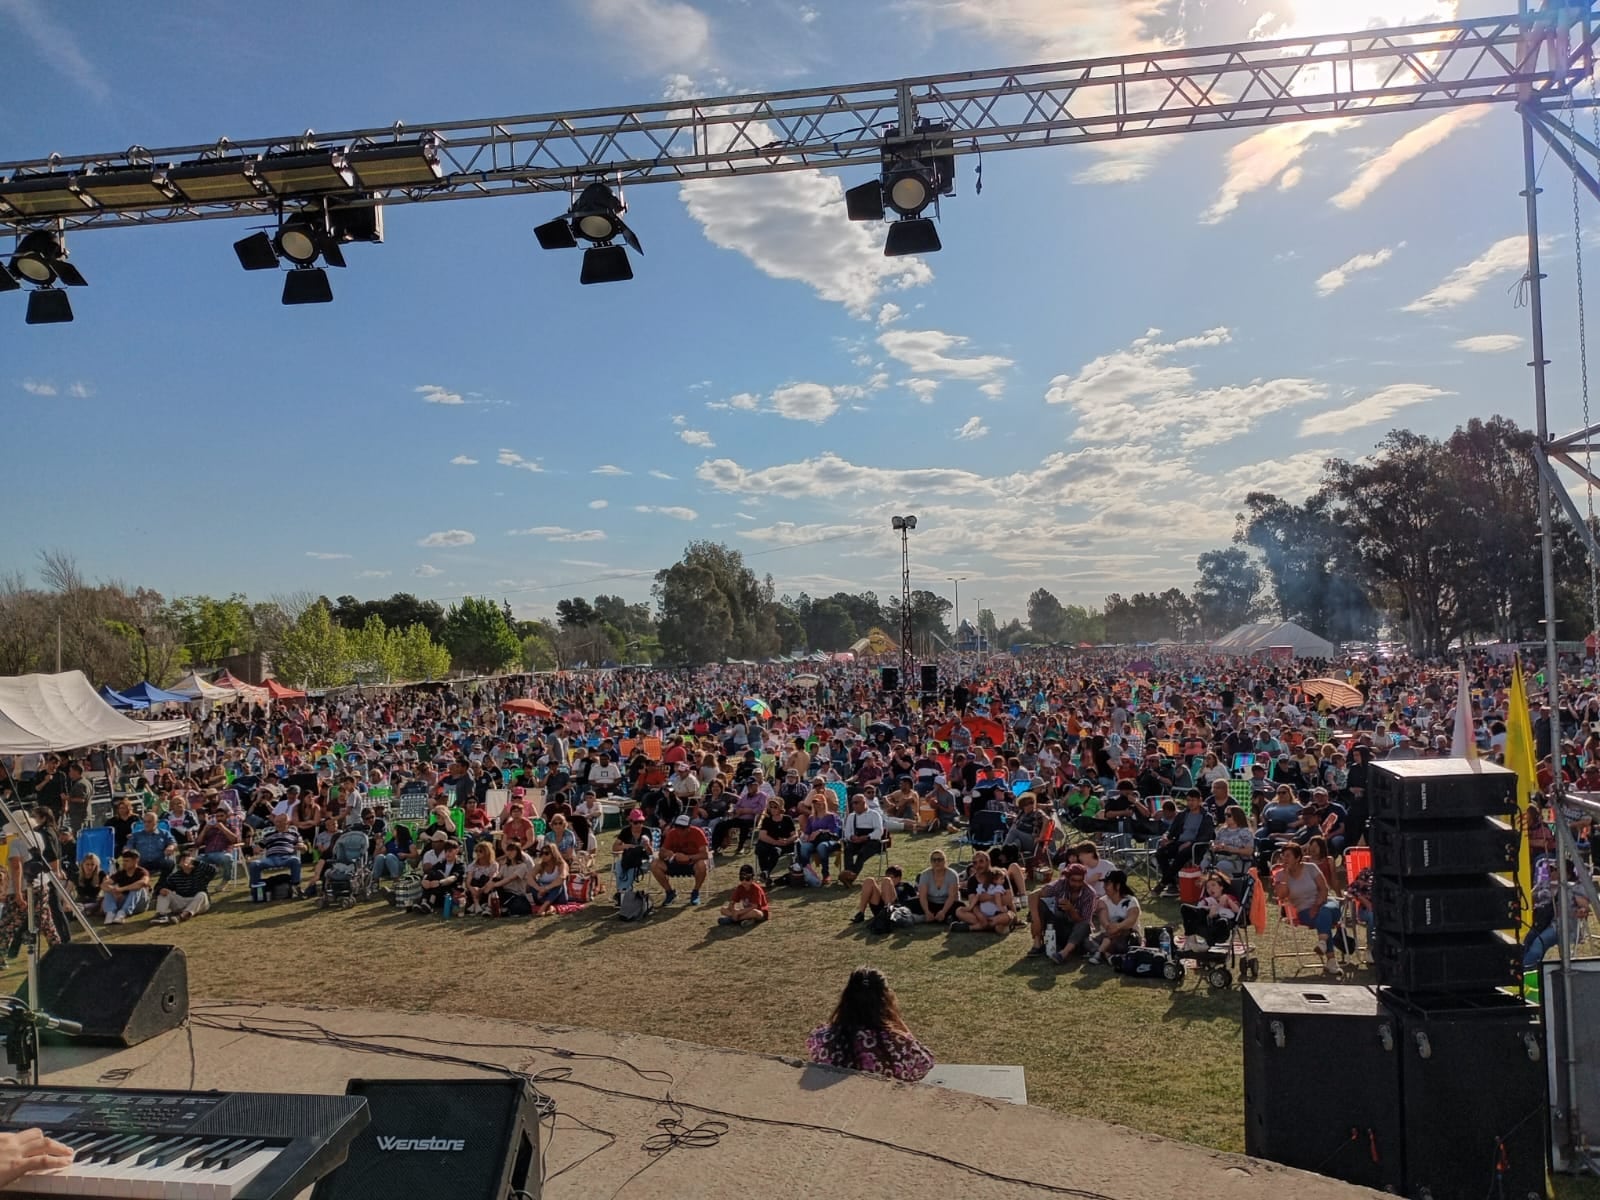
x,y
129,904
260,866
1540,943
820,849
385,866
1324,918
222,861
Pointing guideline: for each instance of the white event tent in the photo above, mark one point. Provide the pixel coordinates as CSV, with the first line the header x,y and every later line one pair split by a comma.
x,y
39,713
1261,636
192,686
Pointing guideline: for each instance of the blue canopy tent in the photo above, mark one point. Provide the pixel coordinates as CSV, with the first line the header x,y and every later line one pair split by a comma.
x,y
118,701
146,693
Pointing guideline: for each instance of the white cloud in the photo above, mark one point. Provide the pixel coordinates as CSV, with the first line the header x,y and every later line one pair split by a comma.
x,y
656,473
427,572
1333,280
38,387
889,314
746,401
830,474
434,394
510,458
1377,169
1379,406
598,503
676,513
79,390
1262,158
1292,478
922,389
448,537
787,533
1490,343
929,352
972,430
804,402
662,35
581,535
994,389
56,45
1140,392
1506,256
695,437
609,469
680,419
744,516
792,225
324,556
559,533
538,531
373,574
461,460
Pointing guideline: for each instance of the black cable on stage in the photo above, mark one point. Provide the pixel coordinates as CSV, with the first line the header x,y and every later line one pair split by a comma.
x,y
298,1030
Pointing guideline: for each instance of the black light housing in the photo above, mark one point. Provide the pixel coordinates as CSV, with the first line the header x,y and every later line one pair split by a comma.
x,y
305,235
131,187
408,164
307,285
913,176
7,283
299,172
41,259
256,252
216,180
595,217
48,306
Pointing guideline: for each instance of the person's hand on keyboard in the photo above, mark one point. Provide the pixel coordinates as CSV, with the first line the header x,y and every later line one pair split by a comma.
x,y
28,1153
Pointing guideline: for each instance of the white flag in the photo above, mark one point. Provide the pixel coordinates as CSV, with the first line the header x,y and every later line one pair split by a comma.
x,y
1464,744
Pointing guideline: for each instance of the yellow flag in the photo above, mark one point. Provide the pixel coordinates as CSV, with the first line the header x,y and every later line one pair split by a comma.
x,y
1520,758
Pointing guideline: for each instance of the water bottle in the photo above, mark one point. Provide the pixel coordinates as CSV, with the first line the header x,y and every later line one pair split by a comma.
x,y
258,892
1050,941
1166,941
449,907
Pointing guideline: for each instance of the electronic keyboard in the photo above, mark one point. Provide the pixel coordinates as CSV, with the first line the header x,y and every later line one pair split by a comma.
x,y
169,1145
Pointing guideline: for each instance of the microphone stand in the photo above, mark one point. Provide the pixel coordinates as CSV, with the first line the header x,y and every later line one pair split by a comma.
x,y
22,1027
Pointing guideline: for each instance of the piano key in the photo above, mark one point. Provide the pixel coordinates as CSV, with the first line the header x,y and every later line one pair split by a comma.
x,y
206,1155
238,1154
129,1178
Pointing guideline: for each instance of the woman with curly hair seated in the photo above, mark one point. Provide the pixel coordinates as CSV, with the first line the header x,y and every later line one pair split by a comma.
x,y
867,1032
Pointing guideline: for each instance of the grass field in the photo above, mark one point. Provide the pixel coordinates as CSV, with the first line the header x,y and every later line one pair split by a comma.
x,y
1136,1053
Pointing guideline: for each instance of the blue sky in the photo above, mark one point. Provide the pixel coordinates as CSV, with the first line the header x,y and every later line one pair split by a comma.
x,y
1076,393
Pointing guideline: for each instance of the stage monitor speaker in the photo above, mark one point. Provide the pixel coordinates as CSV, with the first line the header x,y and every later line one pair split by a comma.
x,y
1440,789
930,678
1473,1099
1465,847
1444,904
140,991
433,1138
891,679
1344,1040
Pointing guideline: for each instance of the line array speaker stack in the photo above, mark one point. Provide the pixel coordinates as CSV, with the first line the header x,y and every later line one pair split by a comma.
x,y
1439,1086
890,679
930,679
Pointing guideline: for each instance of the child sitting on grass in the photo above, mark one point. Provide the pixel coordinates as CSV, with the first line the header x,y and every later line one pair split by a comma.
x,y
748,904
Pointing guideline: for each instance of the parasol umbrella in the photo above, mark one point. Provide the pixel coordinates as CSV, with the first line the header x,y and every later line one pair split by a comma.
x,y
978,727
527,706
758,706
805,681
1335,691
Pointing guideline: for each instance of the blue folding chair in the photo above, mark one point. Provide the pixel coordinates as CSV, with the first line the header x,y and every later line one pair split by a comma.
x,y
100,841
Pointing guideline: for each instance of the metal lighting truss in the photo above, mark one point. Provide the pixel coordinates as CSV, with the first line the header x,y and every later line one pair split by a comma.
x,y
1531,60
1250,84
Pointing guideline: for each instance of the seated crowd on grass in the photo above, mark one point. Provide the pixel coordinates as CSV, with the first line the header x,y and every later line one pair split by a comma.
x,y
1042,772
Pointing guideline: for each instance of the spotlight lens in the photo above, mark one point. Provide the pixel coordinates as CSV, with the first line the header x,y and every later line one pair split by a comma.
x,y
34,270
297,245
597,227
909,194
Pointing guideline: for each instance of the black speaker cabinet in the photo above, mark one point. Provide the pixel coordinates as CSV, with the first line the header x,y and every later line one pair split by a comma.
x,y
890,679
1447,962
930,677
140,991
1446,904
1436,789
1456,847
1473,1098
437,1139
1333,1048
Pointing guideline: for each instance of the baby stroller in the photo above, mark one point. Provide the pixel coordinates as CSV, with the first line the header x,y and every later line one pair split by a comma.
x,y
348,876
1218,960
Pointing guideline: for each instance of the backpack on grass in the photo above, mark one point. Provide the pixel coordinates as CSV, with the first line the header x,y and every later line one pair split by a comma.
x,y
634,905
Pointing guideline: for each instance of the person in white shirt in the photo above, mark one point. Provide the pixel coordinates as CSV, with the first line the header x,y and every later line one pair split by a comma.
x,y
863,836
683,784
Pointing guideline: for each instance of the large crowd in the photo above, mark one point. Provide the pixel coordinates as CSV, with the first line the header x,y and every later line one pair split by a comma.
x,y
1066,782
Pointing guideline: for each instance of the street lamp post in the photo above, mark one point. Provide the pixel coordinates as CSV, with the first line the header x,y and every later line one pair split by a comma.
x,y
960,658
905,525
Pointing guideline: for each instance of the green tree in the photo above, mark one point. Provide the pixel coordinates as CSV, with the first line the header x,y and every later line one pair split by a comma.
x,y
697,621
399,611
417,655
374,651
1080,624
312,652
829,626
478,636
575,613
212,628
1227,593
1046,616
538,653
1311,563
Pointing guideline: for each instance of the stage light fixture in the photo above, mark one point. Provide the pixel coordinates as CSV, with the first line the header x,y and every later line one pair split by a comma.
x,y
410,164
215,180
43,195
41,259
911,179
298,172
135,187
305,235
48,306
307,285
297,241
595,217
